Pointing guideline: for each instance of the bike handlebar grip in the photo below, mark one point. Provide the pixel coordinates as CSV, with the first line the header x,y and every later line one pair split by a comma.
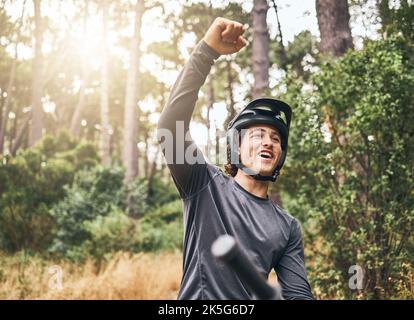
x,y
226,249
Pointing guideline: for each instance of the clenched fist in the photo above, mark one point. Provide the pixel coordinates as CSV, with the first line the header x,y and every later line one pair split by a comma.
x,y
225,36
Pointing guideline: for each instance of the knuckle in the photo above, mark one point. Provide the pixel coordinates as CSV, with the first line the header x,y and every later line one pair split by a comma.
x,y
218,20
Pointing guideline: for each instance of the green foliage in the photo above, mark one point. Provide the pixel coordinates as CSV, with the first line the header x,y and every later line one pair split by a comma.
x,y
351,165
108,234
293,57
81,154
134,199
161,192
94,193
399,19
162,228
32,182
98,216
56,197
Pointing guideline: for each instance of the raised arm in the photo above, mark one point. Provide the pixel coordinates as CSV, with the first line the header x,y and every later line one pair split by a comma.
x,y
223,37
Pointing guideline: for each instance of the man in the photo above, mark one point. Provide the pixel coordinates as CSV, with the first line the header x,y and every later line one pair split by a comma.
x,y
236,204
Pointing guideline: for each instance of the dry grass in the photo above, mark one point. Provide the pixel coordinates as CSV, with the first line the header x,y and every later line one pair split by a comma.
x,y
126,276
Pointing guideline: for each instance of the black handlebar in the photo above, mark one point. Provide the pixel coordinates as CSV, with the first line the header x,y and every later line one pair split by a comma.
x,y
226,249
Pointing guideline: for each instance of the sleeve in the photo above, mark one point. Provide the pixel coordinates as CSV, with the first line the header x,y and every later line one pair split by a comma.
x,y
184,159
290,269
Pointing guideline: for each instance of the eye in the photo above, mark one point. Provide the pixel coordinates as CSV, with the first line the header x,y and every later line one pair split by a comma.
x,y
276,139
256,134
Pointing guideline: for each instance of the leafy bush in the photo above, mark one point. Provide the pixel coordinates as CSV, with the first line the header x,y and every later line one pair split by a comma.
x,y
161,192
86,229
351,165
94,193
135,201
108,234
31,183
162,228
98,216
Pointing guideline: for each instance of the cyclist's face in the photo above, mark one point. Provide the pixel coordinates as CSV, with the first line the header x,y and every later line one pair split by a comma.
x,y
260,148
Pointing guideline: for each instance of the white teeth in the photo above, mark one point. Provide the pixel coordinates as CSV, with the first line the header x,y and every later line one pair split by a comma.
x,y
265,154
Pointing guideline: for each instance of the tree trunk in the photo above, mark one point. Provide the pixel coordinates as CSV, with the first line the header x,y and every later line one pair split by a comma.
x,y
150,190
333,20
75,125
384,13
105,127
146,161
260,48
37,79
19,136
13,129
130,151
5,108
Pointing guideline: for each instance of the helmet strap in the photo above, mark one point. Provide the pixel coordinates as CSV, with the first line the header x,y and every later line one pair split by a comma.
x,y
257,176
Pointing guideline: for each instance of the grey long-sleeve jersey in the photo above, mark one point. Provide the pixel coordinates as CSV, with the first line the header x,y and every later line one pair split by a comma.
x,y
215,204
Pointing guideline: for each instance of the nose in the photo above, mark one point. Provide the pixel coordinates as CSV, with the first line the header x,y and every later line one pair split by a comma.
x,y
266,140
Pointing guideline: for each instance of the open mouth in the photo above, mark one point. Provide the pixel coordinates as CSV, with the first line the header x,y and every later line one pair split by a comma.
x,y
266,154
